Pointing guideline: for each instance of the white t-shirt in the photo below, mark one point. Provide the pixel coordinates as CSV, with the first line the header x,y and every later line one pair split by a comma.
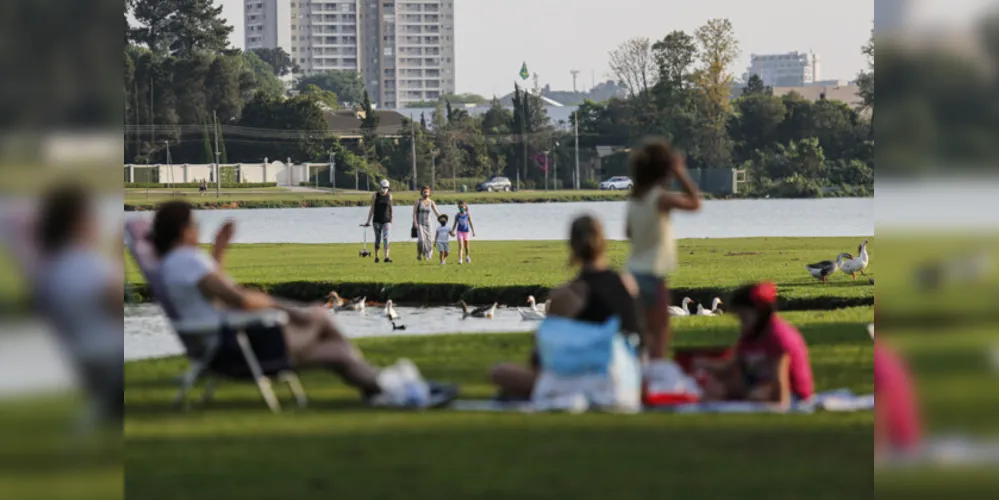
x,y
442,234
181,271
73,288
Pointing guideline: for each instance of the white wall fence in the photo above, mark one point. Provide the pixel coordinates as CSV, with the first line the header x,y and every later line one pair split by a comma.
x,y
281,173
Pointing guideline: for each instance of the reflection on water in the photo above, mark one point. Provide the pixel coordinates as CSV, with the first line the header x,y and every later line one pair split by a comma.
x,y
550,221
148,335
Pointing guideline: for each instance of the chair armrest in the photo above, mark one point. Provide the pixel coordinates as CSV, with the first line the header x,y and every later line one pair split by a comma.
x,y
234,320
264,319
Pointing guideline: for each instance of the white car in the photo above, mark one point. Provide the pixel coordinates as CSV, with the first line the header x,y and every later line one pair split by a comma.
x,y
616,183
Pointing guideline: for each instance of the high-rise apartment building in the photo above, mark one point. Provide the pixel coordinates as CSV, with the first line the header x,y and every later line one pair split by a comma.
x,y
404,49
793,69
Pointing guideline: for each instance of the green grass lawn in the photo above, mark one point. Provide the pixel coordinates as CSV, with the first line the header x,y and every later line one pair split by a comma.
x,y
137,200
337,448
509,271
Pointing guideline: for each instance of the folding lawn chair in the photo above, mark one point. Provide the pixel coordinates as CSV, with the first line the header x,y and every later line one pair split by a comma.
x,y
202,341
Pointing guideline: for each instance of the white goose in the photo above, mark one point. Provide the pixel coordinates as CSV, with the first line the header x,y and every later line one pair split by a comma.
x,y
484,312
822,270
714,311
682,309
534,313
390,311
859,264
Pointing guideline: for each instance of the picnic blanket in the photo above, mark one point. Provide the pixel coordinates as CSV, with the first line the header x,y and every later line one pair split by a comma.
x,y
840,401
946,451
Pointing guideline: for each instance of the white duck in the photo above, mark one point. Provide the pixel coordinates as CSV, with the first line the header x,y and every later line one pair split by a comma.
x,y
484,312
859,264
714,311
390,311
682,309
535,313
822,270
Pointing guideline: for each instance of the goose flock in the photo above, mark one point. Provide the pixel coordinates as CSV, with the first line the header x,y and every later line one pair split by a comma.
x,y
684,308
845,262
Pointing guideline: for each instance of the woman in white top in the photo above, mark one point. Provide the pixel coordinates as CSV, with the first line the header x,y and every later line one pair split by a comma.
x,y
199,289
653,245
81,292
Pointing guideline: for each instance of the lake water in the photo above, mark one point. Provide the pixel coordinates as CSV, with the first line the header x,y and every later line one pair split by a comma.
x,y
148,334
550,221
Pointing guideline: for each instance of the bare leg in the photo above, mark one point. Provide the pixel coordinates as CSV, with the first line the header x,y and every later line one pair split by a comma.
x,y
465,246
657,325
514,380
314,340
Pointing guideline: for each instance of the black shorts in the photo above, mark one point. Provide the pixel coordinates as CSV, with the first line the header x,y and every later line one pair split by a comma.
x,y
267,344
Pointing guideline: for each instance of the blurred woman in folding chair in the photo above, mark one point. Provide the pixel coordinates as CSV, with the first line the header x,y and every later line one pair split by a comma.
x,y
199,289
81,293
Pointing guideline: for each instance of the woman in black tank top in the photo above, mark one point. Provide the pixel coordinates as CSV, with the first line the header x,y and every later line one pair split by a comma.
x,y
595,295
381,214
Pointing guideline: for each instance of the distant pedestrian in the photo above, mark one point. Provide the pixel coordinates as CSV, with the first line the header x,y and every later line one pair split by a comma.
x,y
465,229
422,231
203,188
381,214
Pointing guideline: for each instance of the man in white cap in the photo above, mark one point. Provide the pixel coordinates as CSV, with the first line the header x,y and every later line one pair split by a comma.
x,y
381,215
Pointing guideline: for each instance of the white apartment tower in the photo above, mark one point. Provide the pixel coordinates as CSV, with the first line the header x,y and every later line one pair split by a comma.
x,y
793,69
404,49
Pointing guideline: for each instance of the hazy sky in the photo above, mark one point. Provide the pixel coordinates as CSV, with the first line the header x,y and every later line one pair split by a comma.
x,y
493,37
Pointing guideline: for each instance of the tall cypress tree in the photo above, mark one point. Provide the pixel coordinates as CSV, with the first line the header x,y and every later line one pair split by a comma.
x,y
209,154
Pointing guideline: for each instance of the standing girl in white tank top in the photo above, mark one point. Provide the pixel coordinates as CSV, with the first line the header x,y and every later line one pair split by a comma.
x,y
653,245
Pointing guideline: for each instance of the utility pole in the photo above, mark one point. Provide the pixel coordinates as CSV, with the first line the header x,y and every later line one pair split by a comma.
x,y
555,167
412,124
218,158
547,153
576,132
169,163
433,169
575,75
332,172
523,134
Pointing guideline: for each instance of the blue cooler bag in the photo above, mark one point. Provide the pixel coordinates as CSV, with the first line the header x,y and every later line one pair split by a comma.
x,y
585,365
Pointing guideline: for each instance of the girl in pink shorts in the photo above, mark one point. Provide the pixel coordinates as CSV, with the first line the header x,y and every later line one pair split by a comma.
x,y
463,227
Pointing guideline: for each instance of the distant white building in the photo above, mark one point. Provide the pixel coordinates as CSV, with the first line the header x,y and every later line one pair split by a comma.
x,y
792,69
404,49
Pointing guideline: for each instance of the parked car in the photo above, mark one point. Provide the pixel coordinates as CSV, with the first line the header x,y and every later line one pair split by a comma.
x,y
495,184
616,183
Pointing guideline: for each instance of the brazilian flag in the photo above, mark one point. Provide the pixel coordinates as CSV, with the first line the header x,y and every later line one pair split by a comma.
x,y
524,74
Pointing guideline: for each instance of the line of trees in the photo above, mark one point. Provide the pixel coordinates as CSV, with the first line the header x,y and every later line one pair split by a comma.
x,y
183,83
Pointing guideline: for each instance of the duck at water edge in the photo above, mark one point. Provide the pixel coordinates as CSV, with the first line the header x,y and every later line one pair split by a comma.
x,y
822,270
714,311
682,309
859,264
534,312
485,312
390,311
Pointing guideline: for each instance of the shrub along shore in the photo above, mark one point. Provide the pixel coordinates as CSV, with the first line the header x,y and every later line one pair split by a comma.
x,y
507,272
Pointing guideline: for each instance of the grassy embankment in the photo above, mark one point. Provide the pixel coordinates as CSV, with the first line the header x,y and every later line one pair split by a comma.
x,y
136,199
508,272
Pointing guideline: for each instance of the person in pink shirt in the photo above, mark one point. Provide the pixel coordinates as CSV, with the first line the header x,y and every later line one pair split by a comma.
x,y
771,361
896,420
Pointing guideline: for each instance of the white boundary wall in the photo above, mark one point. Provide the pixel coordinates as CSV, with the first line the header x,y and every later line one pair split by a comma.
x,y
281,173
